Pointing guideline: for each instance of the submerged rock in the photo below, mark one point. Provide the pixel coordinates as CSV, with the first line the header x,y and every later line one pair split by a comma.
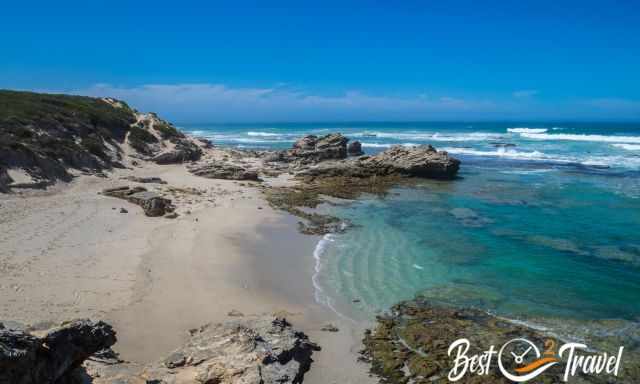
x,y
27,359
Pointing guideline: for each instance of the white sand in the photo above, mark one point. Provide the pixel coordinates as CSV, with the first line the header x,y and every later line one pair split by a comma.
x,y
66,254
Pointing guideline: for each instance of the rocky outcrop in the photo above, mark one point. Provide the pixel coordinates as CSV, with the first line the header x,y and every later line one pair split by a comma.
x,y
422,161
253,350
184,151
27,359
355,149
222,170
258,351
313,149
152,203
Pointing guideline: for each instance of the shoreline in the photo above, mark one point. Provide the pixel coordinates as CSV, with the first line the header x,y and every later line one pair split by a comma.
x,y
181,273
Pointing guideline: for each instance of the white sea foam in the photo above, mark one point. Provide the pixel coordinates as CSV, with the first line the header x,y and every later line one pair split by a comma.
x,y
507,153
527,130
262,134
435,136
503,152
379,145
628,147
592,138
416,266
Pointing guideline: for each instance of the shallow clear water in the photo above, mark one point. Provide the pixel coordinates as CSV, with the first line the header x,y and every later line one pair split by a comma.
x,y
543,221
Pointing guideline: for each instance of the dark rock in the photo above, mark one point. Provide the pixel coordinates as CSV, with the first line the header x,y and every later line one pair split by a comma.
x,y
422,161
152,204
329,328
184,151
355,149
171,215
5,180
122,210
206,143
26,359
312,149
220,170
146,180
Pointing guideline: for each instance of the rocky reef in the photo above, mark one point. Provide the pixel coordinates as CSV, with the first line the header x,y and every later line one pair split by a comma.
x,y
54,357
410,345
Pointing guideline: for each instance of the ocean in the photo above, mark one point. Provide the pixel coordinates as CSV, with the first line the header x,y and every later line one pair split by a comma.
x,y
542,223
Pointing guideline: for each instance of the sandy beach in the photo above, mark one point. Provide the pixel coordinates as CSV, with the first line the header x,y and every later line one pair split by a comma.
x,y
70,252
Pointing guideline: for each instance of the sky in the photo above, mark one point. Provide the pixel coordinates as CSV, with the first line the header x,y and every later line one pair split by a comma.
x,y
252,61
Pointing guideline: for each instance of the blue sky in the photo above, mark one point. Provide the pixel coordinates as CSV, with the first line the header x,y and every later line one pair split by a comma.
x,y
324,60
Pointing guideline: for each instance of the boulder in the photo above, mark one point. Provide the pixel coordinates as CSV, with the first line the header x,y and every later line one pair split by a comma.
x,y
152,203
420,161
313,149
27,359
183,151
355,149
220,170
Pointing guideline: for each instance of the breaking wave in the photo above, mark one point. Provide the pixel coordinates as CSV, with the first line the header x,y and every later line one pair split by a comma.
x,y
628,147
435,136
592,138
527,130
598,161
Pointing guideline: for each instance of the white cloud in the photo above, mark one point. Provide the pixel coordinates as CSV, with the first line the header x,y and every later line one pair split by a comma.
x,y
218,102
221,103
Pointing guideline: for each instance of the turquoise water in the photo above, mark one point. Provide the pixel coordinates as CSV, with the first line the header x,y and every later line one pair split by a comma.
x,y
544,220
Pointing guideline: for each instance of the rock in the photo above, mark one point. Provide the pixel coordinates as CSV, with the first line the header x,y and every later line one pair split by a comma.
x,y
235,313
313,149
5,180
206,143
171,215
27,359
329,328
122,210
152,203
145,180
355,149
421,161
256,350
183,151
220,170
